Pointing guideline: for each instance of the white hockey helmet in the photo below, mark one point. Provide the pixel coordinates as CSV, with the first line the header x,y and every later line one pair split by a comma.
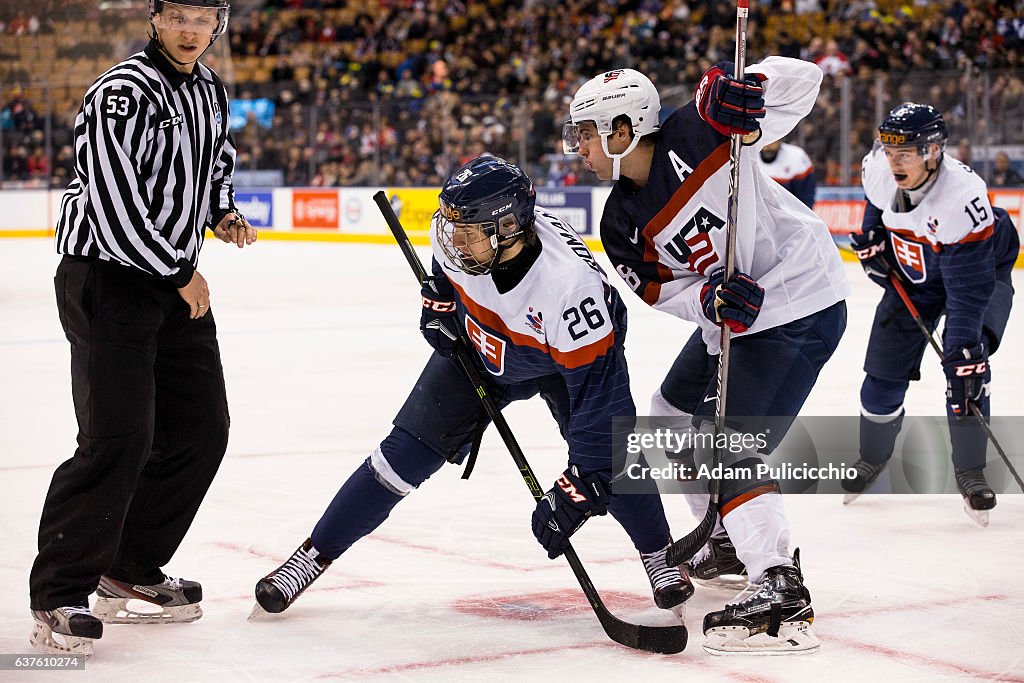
x,y
621,92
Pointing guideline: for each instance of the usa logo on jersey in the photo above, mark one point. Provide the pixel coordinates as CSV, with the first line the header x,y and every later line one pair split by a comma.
x,y
491,348
910,256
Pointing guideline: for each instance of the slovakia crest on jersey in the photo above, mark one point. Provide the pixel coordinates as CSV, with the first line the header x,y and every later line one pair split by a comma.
x,y
910,256
491,348
535,321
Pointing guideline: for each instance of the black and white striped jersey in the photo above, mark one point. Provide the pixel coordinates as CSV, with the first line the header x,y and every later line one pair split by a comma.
x,y
154,159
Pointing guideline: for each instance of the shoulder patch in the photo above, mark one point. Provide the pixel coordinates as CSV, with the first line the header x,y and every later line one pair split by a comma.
x,y
119,103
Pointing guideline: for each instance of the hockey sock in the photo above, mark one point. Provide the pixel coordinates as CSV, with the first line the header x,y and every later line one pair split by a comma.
x,y
399,465
643,518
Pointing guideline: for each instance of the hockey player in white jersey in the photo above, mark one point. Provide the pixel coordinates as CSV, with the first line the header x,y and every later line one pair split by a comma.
x,y
664,230
789,166
928,222
544,320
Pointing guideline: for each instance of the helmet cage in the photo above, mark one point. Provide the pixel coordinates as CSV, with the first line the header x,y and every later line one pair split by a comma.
x,y
459,240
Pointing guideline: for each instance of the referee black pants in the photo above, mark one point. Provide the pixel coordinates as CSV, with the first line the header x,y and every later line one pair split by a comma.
x,y
148,390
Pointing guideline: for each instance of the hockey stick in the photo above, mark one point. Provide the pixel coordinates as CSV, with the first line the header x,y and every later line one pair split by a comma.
x,y
687,546
660,639
912,309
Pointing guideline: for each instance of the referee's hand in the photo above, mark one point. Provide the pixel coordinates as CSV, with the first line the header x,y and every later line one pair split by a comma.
x,y
197,295
233,228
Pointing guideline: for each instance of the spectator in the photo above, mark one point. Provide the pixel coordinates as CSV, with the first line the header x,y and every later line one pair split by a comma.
x,y
1003,174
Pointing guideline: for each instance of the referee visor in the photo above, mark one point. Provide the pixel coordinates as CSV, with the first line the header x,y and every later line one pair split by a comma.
x,y
201,18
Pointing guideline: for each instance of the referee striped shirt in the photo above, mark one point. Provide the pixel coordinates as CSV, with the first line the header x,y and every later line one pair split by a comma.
x,y
154,159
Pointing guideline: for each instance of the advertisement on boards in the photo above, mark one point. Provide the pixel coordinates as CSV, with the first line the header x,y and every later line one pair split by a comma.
x,y
315,209
257,207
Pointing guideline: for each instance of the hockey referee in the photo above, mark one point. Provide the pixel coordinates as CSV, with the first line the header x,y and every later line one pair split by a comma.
x,y
153,160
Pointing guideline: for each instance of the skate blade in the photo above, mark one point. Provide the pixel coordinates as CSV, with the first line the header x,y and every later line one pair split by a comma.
x,y
132,611
795,638
850,497
980,517
45,640
257,613
730,582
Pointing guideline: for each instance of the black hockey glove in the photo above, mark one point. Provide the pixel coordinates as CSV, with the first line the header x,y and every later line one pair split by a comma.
x,y
573,499
730,105
871,248
966,372
736,303
438,322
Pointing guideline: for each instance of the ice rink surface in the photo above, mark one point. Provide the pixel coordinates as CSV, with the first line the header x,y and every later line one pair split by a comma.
x,y
320,347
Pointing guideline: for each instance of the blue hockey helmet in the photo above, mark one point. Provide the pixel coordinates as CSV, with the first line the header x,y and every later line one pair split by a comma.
x,y
913,125
494,195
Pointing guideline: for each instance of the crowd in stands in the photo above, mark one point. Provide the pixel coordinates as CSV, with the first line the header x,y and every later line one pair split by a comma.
x,y
400,92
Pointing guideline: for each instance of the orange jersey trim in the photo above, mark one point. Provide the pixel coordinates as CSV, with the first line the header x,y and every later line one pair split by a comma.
x,y
567,359
744,497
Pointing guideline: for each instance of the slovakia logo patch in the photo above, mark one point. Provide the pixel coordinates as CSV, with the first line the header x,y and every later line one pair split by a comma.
x,y
910,256
535,321
491,348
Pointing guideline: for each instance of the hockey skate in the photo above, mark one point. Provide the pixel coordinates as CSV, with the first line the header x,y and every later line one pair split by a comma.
x,y
978,495
173,601
276,591
716,565
65,631
774,619
671,585
866,474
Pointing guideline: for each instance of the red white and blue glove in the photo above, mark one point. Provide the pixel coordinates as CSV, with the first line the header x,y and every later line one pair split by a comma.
x,y
575,498
966,372
735,303
732,106
438,321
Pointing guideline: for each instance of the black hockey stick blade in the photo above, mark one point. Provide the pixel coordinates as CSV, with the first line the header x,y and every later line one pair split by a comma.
x,y
687,546
663,640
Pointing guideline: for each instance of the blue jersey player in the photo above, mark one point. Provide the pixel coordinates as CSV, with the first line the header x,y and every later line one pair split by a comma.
x,y
664,229
543,320
928,222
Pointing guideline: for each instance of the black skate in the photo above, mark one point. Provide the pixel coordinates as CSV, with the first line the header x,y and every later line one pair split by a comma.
x,y
978,495
65,631
279,589
173,601
716,565
866,474
775,619
671,585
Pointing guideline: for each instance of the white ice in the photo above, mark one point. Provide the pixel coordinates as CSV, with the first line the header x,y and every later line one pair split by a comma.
x,y
320,348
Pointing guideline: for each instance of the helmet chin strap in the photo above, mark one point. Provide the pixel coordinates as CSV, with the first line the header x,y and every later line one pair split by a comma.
x,y
617,158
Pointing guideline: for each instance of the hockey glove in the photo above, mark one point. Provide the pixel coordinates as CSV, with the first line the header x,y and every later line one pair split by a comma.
x,y
871,248
438,322
735,303
730,105
966,371
571,501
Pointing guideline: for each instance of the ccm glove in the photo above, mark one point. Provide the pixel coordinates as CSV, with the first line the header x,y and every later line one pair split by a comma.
x,y
871,248
966,371
735,303
732,106
567,505
438,322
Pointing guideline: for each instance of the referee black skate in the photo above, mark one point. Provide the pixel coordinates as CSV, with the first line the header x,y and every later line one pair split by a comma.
x,y
154,162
